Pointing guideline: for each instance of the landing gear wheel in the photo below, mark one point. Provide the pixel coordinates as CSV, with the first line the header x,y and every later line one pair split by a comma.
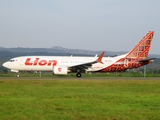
x,y
18,76
78,75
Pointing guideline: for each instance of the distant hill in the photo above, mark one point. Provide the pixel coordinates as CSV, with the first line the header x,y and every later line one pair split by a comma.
x,y
57,49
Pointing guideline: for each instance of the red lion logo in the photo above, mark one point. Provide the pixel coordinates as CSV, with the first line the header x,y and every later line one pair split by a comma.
x,y
60,69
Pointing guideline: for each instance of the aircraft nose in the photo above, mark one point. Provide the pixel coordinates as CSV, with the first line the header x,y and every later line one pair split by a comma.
x,y
5,65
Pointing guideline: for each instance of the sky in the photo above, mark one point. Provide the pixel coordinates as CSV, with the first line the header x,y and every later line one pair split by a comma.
x,y
111,25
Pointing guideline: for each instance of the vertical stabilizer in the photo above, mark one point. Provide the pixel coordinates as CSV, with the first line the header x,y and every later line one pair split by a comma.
x,y
140,51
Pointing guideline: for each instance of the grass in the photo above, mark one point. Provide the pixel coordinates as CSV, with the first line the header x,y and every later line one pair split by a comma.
x,y
79,99
49,74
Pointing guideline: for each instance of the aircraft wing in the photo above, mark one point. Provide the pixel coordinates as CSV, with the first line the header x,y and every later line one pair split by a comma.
x,y
84,66
146,60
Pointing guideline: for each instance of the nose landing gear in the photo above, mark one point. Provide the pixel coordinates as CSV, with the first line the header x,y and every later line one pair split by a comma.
x,y
18,75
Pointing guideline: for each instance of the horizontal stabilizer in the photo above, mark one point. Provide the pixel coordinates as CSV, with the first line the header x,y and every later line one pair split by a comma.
x,y
146,60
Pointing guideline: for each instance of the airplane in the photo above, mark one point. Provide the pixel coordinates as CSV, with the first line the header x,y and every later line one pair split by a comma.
x,y
62,65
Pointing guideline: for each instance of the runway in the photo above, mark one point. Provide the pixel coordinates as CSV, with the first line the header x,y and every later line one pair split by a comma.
x,y
83,78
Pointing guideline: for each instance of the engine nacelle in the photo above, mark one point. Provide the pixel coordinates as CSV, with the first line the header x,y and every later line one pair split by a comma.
x,y
61,70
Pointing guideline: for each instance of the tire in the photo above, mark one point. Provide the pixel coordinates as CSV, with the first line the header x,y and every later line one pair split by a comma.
x,y
78,75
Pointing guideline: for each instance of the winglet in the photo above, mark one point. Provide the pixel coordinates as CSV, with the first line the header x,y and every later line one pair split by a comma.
x,y
100,58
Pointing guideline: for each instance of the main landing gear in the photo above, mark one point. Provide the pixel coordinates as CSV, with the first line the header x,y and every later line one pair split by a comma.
x,y
78,75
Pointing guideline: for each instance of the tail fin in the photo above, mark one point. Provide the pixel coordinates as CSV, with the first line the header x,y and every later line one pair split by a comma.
x,y
136,57
140,51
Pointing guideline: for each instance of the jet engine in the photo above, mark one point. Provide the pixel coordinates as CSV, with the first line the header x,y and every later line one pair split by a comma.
x,y
61,70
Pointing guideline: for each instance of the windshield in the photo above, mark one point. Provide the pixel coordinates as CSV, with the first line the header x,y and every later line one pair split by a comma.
x,y
12,60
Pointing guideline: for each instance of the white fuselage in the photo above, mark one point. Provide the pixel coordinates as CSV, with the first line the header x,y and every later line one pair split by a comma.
x,y
46,63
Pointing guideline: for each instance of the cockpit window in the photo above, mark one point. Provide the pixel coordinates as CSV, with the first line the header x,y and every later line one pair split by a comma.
x,y
12,60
